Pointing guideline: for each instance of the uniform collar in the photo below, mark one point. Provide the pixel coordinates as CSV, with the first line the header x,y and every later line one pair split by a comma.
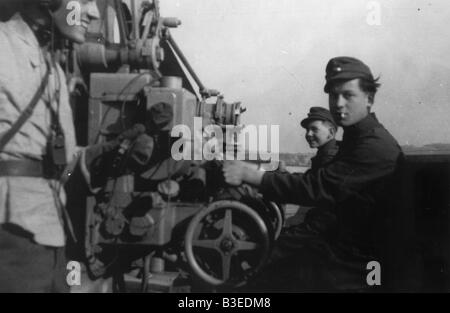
x,y
328,146
324,154
368,123
18,26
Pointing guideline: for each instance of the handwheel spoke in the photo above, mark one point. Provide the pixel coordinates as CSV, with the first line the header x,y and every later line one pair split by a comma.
x,y
208,244
246,245
226,266
228,223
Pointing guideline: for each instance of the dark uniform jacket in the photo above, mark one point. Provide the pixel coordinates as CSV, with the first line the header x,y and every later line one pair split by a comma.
x,y
319,220
324,155
356,184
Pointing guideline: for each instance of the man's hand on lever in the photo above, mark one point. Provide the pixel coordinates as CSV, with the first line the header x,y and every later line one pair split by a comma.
x,y
238,172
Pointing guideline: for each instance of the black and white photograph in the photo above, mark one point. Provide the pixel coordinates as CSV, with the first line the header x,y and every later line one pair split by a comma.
x,y
224,151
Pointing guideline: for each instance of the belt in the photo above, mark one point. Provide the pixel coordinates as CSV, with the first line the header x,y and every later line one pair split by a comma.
x,y
26,168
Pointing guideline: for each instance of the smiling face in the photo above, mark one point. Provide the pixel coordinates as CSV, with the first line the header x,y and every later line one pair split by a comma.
x,y
348,103
318,133
72,18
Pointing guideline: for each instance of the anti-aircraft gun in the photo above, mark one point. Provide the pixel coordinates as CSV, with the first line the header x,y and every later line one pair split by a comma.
x,y
169,219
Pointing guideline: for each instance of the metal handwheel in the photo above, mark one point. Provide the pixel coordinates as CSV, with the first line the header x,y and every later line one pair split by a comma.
x,y
278,217
226,243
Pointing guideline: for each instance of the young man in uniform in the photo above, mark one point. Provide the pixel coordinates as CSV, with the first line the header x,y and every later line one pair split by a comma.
x,y
321,135
37,139
356,184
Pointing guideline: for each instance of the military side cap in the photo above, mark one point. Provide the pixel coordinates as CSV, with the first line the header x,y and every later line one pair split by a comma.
x,y
318,114
346,68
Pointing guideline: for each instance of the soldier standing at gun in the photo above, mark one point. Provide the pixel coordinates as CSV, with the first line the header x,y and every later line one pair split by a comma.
x,y
356,184
37,140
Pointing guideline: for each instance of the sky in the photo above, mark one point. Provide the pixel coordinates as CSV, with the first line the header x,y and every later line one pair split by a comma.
x,y
271,56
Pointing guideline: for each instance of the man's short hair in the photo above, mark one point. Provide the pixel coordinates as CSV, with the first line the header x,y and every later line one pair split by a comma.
x,y
370,87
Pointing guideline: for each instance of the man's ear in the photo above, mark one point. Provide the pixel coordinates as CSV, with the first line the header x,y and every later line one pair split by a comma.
x,y
370,100
332,133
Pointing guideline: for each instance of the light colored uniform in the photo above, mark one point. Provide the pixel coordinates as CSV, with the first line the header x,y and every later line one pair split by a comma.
x,y
29,201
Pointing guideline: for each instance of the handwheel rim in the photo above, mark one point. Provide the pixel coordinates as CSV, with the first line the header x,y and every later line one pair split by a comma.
x,y
279,219
224,241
